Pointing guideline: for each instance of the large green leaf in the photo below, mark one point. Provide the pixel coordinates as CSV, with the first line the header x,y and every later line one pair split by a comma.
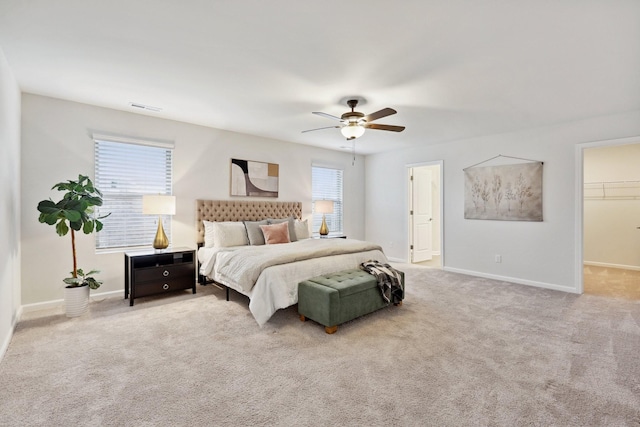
x,y
76,225
47,206
74,281
48,218
94,201
87,228
93,283
61,228
71,215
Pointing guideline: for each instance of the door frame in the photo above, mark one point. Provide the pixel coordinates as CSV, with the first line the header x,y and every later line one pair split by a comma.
x,y
407,205
579,205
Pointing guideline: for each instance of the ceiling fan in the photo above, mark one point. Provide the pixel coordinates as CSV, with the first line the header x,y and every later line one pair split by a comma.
x,y
353,123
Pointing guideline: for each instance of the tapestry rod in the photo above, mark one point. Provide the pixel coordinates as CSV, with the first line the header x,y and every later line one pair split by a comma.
x,y
500,155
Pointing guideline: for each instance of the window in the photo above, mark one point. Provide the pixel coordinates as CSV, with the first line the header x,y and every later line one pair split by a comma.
x,y
326,184
125,171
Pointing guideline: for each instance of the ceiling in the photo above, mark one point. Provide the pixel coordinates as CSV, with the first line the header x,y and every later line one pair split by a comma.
x,y
453,69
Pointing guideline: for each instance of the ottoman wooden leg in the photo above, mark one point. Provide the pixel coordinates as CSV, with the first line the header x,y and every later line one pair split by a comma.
x,y
302,318
398,304
331,329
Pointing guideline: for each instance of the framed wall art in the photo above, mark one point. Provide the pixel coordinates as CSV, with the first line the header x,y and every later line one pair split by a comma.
x,y
254,179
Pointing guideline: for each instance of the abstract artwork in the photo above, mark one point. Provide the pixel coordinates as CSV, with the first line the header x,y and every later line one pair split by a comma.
x,y
505,192
256,179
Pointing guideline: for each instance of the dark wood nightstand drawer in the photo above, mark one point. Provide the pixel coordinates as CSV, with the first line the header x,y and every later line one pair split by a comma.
x,y
152,288
163,272
150,272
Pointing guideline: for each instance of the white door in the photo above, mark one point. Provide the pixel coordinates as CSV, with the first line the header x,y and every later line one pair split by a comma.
x,y
422,215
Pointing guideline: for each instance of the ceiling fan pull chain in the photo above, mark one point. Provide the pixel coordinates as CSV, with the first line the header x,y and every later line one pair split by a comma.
x,y
353,151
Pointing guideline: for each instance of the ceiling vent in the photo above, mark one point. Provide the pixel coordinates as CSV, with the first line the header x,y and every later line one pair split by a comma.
x,y
145,107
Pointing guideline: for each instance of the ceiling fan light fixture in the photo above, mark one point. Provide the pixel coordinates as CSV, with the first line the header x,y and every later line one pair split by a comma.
x,y
353,123
352,131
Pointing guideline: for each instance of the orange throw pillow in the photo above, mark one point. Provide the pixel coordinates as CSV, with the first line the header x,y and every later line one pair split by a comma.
x,y
276,233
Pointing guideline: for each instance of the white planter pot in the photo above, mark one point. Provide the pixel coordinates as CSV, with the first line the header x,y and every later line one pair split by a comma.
x,y
76,300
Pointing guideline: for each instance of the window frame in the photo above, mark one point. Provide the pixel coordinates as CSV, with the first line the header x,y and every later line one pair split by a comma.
x,y
335,221
138,230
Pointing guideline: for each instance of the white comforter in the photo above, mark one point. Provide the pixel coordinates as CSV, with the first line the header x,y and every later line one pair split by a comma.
x,y
269,275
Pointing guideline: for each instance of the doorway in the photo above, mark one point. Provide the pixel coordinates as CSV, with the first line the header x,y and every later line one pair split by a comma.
x,y
611,208
425,209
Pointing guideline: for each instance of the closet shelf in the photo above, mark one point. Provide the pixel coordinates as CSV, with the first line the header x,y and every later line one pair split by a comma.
x,y
614,190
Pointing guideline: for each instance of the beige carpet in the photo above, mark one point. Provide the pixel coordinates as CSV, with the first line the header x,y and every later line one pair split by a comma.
x,y
461,351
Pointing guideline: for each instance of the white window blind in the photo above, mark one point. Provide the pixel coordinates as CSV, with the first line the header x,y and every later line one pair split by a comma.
x,y
326,184
124,173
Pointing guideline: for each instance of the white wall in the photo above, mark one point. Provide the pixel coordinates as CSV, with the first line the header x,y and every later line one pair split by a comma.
x,y
611,236
56,146
10,203
535,253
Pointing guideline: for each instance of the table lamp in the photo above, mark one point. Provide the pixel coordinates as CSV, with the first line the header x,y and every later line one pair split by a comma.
x,y
324,207
159,204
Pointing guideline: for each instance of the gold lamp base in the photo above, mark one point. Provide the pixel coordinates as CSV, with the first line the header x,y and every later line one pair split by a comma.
x,y
161,241
324,230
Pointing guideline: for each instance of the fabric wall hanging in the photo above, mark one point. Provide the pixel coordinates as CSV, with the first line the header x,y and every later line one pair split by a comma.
x,y
505,192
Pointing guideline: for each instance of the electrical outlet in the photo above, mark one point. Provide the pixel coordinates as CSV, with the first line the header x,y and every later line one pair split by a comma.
x,y
498,259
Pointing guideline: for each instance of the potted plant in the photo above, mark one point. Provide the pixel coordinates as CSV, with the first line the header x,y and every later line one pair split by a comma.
x,y
74,212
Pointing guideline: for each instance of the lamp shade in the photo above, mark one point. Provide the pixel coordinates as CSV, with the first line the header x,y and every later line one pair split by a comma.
x,y
158,204
324,206
352,130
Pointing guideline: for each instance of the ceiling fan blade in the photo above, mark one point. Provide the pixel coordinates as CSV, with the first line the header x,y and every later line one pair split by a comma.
x,y
392,128
326,127
328,116
379,114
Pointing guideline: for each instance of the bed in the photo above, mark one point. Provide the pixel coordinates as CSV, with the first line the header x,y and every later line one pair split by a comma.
x,y
268,273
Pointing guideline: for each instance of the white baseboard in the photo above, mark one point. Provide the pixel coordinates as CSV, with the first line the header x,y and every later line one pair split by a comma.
x,y
404,261
608,265
29,308
514,280
7,339
110,294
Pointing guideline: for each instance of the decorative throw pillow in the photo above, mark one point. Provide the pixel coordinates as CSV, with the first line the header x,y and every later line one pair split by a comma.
x,y
229,233
208,234
291,223
276,233
254,234
302,229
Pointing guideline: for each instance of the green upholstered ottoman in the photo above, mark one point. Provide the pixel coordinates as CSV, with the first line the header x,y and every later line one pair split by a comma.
x,y
336,298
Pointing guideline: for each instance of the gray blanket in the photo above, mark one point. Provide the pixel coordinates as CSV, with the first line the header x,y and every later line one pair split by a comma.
x,y
389,280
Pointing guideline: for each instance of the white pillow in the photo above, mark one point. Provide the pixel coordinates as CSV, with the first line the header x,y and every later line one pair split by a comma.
x,y
302,229
208,233
224,234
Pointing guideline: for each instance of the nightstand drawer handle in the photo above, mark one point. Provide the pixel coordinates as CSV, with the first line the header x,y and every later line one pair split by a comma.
x,y
165,273
165,286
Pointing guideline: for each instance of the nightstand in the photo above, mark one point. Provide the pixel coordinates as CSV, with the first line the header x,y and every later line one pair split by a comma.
x,y
330,236
150,272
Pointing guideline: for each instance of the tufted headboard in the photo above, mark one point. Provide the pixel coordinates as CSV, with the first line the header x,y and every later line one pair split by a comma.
x,y
237,210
